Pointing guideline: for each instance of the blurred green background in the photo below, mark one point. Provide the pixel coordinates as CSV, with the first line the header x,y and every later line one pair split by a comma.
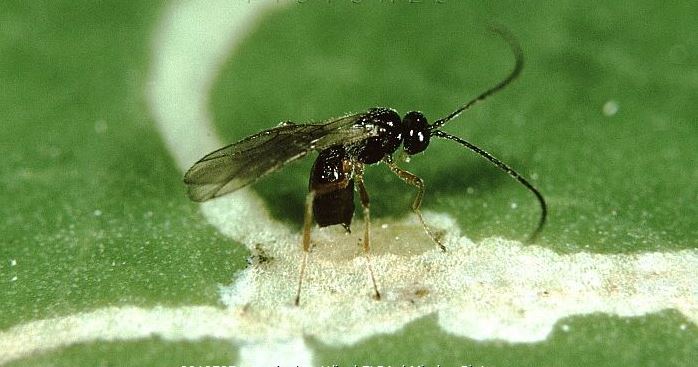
x,y
93,209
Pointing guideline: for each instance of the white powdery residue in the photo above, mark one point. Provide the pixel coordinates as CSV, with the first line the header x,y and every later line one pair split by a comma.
x,y
497,289
568,285
243,217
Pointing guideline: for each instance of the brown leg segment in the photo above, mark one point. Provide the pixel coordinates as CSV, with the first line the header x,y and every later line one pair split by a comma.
x,y
367,225
417,182
307,226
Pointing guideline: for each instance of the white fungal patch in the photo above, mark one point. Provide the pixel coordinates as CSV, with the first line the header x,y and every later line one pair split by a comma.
x,y
497,289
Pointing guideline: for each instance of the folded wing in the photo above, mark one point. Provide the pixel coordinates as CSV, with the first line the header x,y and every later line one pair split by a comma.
x,y
239,164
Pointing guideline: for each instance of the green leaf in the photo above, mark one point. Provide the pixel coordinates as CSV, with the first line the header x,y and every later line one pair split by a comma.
x,y
94,214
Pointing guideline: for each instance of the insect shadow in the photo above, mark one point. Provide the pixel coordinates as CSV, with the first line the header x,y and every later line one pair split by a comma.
x,y
346,145
280,194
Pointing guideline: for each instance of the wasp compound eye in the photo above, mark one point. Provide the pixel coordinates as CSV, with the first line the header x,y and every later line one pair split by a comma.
x,y
416,132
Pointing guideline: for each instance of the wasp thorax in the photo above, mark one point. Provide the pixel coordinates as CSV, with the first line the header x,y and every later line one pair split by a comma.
x,y
375,148
416,132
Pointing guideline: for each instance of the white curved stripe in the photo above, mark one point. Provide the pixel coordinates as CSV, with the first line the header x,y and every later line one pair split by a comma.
x,y
114,323
494,290
497,289
193,40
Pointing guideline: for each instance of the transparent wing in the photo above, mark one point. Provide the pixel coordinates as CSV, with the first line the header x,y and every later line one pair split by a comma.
x,y
239,164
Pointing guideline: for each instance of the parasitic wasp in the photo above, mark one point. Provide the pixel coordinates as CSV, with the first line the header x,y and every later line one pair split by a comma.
x,y
345,145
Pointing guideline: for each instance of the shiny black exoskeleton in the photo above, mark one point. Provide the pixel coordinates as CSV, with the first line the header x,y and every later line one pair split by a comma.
x,y
332,174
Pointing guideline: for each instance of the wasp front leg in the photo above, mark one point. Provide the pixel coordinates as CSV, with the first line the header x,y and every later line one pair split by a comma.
x,y
418,183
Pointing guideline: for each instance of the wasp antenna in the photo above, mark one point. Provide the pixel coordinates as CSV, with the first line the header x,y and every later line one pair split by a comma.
x,y
507,169
518,66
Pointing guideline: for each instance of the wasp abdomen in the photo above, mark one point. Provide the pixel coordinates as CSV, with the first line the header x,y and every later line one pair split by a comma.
x,y
331,179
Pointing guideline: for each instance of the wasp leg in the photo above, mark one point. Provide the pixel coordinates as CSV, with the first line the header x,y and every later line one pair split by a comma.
x,y
367,225
417,182
307,226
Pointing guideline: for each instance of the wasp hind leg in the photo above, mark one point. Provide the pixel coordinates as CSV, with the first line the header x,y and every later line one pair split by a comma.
x,y
305,241
367,228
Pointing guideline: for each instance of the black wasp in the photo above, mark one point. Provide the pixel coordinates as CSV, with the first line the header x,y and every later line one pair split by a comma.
x,y
345,145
